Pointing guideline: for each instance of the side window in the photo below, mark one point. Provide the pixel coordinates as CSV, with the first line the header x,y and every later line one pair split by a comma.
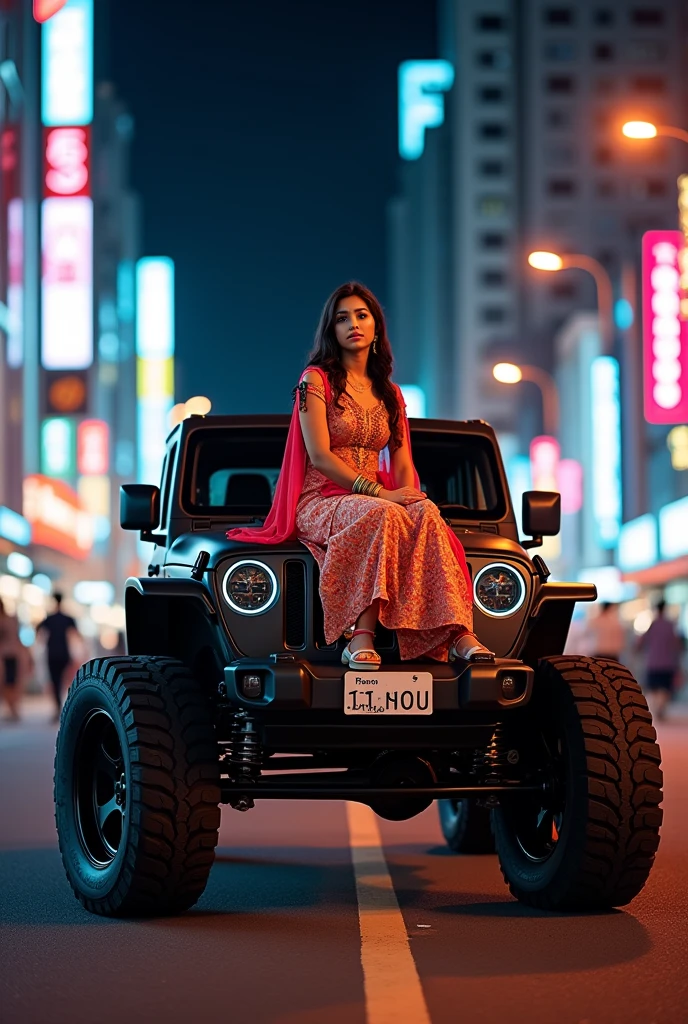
x,y
166,484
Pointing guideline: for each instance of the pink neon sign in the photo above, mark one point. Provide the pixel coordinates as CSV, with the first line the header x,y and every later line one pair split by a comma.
x,y
92,447
665,334
544,463
67,170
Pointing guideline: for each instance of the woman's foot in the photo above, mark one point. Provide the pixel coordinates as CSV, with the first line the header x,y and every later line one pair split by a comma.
x,y
359,652
467,647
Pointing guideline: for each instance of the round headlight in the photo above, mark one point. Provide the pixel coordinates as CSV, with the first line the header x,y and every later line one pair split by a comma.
x,y
250,587
499,589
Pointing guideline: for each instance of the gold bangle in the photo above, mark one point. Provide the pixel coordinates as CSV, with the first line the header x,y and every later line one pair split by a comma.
x,y
356,485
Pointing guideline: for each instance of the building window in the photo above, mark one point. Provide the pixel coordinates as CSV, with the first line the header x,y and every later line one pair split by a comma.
x,y
646,50
605,189
491,168
560,50
561,188
492,130
492,206
498,60
493,314
561,154
603,155
559,84
652,188
491,94
493,278
649,83
604,86
558,16
491,23
603,51
647,17
492,240
603,17
558,119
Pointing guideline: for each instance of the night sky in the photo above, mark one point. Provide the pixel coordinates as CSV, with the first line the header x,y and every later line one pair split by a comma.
x,y
265,150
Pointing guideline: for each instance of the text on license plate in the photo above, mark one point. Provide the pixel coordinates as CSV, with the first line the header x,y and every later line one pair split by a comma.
x,y
388,693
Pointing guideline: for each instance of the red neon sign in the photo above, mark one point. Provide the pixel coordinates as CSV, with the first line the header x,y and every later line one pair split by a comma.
x,y
665,334
58,519
67,161
92,448
44,9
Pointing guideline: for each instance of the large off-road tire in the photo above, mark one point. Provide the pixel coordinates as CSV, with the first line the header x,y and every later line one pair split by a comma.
x,y
589,841
137,787
466,826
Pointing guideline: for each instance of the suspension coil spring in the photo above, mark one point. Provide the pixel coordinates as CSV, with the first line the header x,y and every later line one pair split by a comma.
x,y
246,752
491,763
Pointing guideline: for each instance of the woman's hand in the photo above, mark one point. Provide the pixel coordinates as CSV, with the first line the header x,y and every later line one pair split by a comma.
x,y
403,495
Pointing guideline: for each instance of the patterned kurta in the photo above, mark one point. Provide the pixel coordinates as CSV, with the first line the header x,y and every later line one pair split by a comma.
x,y
369,549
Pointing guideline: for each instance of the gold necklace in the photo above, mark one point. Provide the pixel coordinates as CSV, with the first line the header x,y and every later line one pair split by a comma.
x,y
359,387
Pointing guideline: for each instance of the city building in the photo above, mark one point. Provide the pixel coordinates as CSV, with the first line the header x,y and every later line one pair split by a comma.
x,y
68,356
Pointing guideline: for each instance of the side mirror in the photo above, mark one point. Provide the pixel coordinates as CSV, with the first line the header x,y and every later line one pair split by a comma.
x,y
541,516
139,507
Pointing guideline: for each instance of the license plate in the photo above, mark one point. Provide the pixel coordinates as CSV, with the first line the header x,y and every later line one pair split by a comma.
x,y
388,693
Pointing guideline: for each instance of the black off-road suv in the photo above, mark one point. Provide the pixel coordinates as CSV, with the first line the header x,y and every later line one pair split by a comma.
x,y
230,694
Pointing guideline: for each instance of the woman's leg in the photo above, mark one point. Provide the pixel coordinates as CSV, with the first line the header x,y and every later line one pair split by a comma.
x,y
366,620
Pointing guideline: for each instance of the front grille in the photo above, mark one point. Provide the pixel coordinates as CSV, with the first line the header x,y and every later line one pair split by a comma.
x,y
294,604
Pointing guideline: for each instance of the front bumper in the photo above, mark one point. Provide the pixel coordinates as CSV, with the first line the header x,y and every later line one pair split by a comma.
x,y
289,684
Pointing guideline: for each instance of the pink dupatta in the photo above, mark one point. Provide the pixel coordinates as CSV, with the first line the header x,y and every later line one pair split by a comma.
x,y
280,523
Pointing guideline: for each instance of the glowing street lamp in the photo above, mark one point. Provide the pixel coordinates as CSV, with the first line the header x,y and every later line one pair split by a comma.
x,y
648,130
552,261
510,373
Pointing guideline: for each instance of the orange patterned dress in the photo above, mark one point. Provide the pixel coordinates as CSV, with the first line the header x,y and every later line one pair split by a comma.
x,y
368,548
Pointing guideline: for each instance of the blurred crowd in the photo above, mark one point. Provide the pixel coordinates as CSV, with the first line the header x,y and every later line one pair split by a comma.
x,y
48,664
655,656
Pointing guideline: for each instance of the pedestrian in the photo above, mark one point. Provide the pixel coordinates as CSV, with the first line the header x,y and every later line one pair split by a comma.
x,y
14,661
607,636
59,630
662,646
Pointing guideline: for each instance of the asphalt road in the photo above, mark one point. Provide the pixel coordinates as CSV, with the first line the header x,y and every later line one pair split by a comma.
x,y
276,936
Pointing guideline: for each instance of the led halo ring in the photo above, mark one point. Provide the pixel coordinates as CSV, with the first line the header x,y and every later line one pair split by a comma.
x,y
271,576
490,568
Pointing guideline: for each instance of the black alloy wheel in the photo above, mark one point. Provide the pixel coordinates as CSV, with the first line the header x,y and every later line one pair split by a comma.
x,y
587,840
100,789
137,787
466,826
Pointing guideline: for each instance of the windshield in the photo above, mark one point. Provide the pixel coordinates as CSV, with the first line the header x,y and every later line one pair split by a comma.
x,y
233,472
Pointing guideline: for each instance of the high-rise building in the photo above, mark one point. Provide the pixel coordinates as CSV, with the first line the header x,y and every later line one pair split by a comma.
x,y
530,156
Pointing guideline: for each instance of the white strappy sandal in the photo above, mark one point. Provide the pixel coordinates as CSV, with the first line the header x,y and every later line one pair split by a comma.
x,y
351,658
467,647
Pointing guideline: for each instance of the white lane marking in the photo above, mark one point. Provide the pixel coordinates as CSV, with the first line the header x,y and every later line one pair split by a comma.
x,y
393,991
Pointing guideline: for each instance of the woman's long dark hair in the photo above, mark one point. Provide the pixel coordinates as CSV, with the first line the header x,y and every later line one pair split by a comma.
x,y
326,353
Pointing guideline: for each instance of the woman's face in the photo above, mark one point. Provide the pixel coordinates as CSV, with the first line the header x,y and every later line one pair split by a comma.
x,y
354,326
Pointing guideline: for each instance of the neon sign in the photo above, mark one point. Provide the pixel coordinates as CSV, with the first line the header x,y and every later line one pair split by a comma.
x,y
665,334
57,447
155,361
57,518
606,454
544,463
15,284
673,535
421,103
66,161
683,254
638,544
67,313
92,447
67,71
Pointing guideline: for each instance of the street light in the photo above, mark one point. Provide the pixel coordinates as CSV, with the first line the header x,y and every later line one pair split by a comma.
x,y
648,130
510,373
552,261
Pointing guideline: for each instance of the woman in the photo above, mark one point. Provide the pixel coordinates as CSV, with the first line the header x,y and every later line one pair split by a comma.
x,y
349,491
13,658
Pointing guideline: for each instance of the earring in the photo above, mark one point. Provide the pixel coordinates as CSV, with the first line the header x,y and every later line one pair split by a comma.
x,y
375,345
